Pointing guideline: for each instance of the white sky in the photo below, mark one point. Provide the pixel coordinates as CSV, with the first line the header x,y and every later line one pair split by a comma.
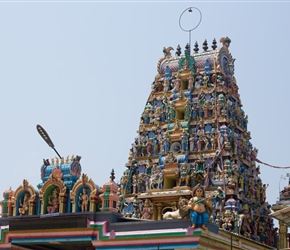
x,y
83,70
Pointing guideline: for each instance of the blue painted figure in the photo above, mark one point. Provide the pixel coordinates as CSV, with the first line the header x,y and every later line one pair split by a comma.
x,y
184,141
166,142
163,116
207,128
168,72
171,112
197,205
207,67
151,134
146,116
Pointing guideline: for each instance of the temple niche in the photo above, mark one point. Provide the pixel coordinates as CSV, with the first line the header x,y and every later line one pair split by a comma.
x,y
25,200
193,132
85,195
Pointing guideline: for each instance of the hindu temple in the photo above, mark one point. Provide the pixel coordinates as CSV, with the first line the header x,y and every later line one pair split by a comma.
x,y
191,180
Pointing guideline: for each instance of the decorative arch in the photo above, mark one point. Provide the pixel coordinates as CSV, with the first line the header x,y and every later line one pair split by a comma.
x,y
84,183
19,194
47,190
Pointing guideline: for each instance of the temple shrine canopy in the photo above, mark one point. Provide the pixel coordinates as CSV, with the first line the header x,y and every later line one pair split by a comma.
x,y
192,158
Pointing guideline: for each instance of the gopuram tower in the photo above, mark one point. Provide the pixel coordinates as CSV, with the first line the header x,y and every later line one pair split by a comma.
x,y
193,131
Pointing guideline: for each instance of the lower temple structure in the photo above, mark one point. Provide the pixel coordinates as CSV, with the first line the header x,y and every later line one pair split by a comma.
x,y
109,230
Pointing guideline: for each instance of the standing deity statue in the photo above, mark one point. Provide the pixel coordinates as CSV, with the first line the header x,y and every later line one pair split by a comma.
x,y
84,198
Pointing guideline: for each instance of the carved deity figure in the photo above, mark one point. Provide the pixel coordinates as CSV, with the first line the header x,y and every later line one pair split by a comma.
x,y
166,142
84,198
123,182
171,112
156,179
228,220
136,214
170,158
166,85
24,205
187,112
182,175
147,210
56,173
121,204
184,141
53,202
219,196
197,205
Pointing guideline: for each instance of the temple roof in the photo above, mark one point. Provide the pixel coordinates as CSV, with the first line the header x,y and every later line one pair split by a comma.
x,y
282,215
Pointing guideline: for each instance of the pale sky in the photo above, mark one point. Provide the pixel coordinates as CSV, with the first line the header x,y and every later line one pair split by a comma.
x,y
83,70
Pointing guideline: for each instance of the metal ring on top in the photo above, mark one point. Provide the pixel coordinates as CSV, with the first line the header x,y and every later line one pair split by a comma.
x,y
190,10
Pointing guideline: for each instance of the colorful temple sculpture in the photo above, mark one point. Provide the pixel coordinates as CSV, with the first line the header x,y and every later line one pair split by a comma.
x,y
190,182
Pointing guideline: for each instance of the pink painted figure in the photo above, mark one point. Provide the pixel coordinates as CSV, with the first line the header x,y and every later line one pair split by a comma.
x,y
56,173
147,210
149,147
54,202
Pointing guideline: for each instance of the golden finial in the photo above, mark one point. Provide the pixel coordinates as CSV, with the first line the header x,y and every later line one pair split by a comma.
x,y
84,178
25,184
67,160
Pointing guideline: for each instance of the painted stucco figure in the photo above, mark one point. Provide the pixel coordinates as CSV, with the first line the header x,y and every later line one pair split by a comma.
x,y
198,205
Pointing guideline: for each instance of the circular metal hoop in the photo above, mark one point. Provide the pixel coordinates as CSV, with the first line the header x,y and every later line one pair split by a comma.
x,y
190,10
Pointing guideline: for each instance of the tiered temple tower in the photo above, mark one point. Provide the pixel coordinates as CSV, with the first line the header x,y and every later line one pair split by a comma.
x,y
192,131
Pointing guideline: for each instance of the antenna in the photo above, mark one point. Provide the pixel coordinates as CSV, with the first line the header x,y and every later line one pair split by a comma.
x,y
46,138
189,11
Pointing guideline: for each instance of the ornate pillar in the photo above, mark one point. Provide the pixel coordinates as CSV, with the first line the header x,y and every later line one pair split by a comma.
x,y
94,200
159,211
62,204
282,235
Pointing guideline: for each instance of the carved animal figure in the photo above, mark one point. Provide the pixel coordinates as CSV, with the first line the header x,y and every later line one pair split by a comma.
x,y
171,215
156,180
183,208
181,213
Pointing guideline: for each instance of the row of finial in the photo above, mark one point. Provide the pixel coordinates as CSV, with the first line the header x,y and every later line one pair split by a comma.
x,y
196,49
55,160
